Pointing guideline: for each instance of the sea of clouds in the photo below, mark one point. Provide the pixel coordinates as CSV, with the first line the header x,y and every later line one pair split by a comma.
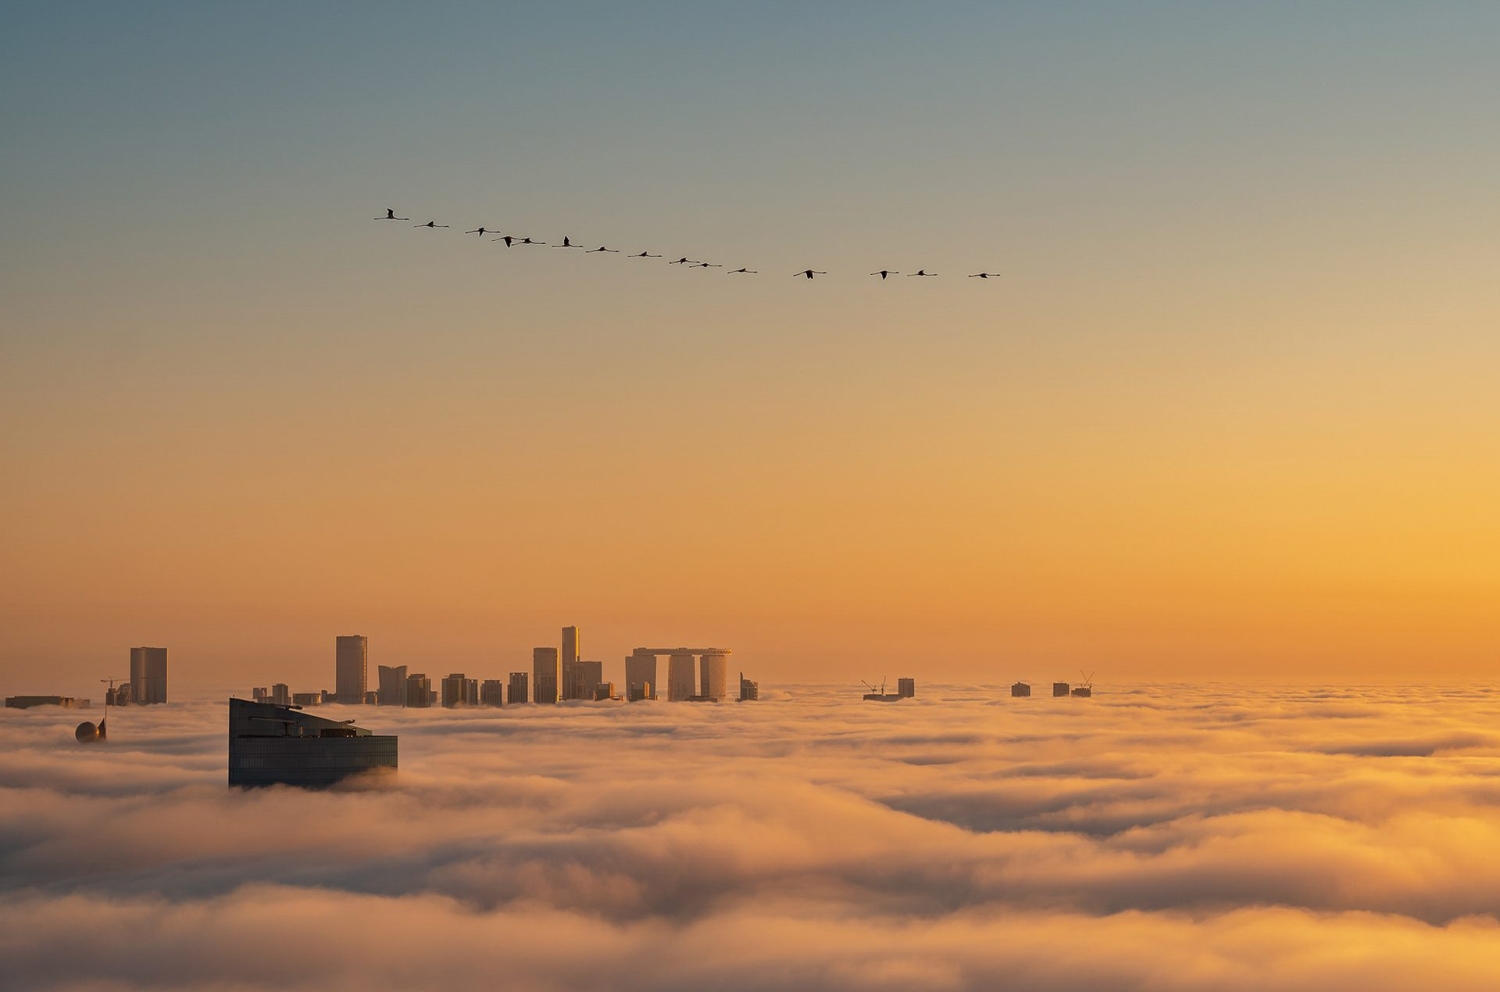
x,y
1153,837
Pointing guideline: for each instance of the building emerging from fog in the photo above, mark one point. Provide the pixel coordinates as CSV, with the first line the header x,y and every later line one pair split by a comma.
x,y
352,672
148,675
392,691
460,691
749,691
688,677
516,692
418,690
546,674
640,675
280,745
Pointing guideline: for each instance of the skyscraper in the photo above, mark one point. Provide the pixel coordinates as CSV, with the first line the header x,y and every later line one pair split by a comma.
x,y
148,675
579,680
640,675
714,678
418,690
572,687
680,676
492,693
351,668
546,672
516,691
392,685
749,691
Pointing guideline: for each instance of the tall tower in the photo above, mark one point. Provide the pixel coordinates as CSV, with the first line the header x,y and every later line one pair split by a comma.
x,y
546,673
148,675
715,676
571,651
351,668
679,676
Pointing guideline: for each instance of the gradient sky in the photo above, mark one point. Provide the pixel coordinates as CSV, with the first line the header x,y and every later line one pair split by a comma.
x,y
1231,411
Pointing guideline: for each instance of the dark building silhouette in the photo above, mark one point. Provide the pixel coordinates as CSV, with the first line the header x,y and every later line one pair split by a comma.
x,y
516,692
418,690
1059,689
351,668
1020,689
492,693
572,686
906,688
749,691
460,691
148,675
392,691
546,672
603,690
280,745
27,702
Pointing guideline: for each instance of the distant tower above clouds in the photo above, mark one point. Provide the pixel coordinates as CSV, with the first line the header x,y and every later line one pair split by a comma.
x,y
351,668
148,675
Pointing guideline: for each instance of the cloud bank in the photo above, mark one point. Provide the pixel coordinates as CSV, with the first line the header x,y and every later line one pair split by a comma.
x,y
1154,837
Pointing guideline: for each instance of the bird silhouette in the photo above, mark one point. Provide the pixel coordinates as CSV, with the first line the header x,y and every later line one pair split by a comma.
x,y
748,272
595,251
985,275
809,273
885,272
391,215
528,241
922,272
480,231
684,260
507,238
432,224
567,244
645,255
706,265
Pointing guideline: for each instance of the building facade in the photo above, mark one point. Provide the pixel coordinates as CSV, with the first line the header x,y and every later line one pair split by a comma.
x,y
492,693
351,668
640,675
277,745
148,675
714,676
516,692
418,690
392,691
546,675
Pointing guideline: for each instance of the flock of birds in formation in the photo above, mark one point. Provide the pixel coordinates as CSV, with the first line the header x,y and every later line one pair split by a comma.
x,y
691,263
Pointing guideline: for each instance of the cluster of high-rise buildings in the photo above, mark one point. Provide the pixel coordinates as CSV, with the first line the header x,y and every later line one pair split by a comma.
x,y
148,679
557,675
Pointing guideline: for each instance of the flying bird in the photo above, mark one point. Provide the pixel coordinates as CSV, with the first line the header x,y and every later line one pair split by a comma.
x,y
985,275
705,265
748,272
507,238
645,255
480,231
595,251
528,241
885,272
391,215
684,260
567,244
809,273
922,272
432,224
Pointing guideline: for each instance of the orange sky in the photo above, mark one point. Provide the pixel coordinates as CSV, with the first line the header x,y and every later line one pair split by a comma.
x,y
1230,410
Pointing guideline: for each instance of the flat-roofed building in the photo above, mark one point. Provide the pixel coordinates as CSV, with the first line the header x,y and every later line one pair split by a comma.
x,y
516,691
148,675
1020,689
546,673
460,691
492,693
749,691
603,691
906,688
27,702
278,745
418,690
281,694
1059,689
307,699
